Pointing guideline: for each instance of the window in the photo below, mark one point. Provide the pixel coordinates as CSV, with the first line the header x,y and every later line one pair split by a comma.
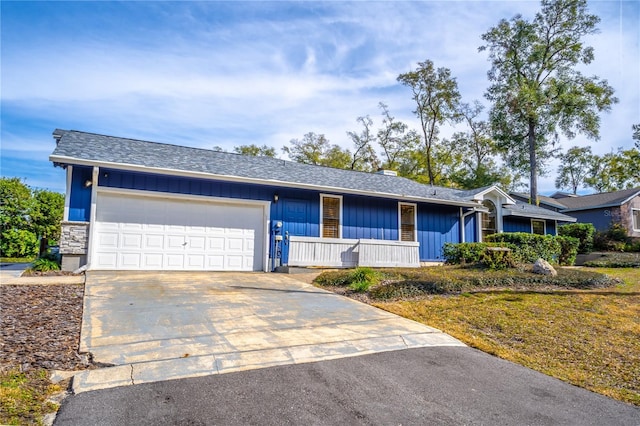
x,y
407,220
635,215
330,216
488,219
538,227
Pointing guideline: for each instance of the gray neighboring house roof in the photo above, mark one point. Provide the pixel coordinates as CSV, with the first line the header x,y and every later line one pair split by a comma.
x,y
551,202
598,201
75,147
523,209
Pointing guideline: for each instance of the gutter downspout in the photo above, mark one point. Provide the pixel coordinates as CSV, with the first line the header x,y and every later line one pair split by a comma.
x,y
463,216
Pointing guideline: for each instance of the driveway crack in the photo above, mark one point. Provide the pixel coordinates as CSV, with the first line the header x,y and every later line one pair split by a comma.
x,y
132,381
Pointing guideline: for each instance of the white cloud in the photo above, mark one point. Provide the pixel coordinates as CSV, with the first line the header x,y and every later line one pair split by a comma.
x,y
205,74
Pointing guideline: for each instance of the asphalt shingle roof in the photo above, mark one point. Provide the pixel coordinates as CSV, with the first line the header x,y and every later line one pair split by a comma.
x,y
529,210
81,147
594,201
75,147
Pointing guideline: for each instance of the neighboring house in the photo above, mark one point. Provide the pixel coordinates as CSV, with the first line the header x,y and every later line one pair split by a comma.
x,y
545,202
132,204
604,209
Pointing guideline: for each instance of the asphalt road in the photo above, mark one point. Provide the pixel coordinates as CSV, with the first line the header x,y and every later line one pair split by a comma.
x,y
440,386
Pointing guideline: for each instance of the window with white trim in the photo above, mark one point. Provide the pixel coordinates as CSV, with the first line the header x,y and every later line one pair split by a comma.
x,y
635,216
489,219
330,216
407,214
538,227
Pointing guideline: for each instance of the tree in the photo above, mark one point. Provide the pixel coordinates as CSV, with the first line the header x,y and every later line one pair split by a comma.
x,y
614,171
636,134
436,96
15,204
397,142
574,168
46,214
316,149
255,150
25,215
309,150
473,163
364,156
536,89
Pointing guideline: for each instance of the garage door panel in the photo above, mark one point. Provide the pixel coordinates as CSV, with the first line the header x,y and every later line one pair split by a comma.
x,y
154,241
130,260
108,240
235,244
215,262
131,241
174,242
152,260
138,232
197,243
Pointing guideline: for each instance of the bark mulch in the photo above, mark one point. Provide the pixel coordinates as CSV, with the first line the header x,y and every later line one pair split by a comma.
x,y
40,327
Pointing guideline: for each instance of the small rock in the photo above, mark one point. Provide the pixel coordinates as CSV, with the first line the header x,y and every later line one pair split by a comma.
x,y
543,267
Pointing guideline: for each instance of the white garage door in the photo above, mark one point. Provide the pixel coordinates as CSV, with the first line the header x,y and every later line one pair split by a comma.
x,y
147,233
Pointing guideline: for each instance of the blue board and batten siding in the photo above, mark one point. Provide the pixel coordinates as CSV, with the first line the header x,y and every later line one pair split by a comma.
x,y
80,196
298,209
518,224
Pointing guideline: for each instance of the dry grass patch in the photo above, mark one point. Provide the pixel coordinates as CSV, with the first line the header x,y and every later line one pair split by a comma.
x,y
590,338
23,397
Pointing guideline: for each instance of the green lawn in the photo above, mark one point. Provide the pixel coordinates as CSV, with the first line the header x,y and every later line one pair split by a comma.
x,y
590,338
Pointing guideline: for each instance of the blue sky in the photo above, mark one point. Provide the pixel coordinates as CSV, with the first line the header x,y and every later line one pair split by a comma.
x,y
208,74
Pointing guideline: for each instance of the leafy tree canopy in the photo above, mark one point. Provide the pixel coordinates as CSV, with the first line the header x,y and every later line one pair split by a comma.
x,y
255,150
437,98
536,89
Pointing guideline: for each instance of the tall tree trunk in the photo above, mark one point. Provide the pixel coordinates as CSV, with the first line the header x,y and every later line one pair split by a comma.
x,y
533,161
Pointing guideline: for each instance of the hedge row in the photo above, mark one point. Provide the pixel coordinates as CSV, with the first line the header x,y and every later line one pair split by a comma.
x,y
524,248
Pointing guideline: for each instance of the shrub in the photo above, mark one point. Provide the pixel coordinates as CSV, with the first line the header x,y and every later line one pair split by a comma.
x,y
462,253
44,265
333,278
498,259
18,243
361,279
583,231
616,260
568,250
530,247
613,239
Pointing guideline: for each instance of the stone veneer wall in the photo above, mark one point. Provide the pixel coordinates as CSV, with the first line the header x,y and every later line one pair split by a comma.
x,y
74,238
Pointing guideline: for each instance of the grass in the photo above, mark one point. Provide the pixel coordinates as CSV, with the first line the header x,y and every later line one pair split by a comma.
x,y
17,259
23,397
590,338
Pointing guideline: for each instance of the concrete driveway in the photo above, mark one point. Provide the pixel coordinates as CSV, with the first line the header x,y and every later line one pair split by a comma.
x,y
152,326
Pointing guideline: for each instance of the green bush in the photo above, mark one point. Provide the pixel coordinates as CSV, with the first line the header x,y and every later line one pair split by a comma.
x,y
530,247
468,253
44,265
583,231
613,239
461,253
498,259
361,279
18,243
568,249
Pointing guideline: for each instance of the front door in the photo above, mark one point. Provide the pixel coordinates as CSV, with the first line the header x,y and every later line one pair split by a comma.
x,y
295,221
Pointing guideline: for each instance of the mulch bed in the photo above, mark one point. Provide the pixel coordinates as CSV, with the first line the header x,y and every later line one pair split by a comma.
x,y
40,327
